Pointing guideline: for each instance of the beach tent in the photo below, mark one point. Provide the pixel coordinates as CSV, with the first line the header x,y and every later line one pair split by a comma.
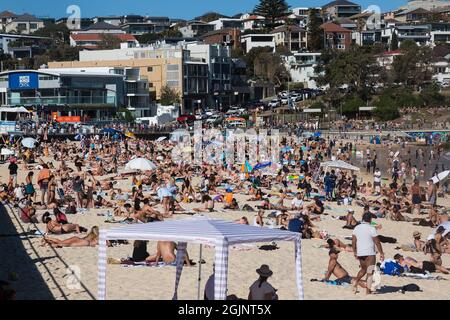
x,y
29,143
198,230
339,164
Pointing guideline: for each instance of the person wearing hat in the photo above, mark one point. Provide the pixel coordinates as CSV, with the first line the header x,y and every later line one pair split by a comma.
x,y
351,222
261,289
418,244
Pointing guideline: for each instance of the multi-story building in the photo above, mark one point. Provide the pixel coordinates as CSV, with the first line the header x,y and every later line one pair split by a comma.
x,y
227,23
253,22
33,44
161,23
67,93
24,24
256,40
5,18
341,9
92,40
301,67
226,37
293,38
100,27
136,95
336,37
218,59
418,15
421,34
440,33
114,20
166,65
195,29
138,28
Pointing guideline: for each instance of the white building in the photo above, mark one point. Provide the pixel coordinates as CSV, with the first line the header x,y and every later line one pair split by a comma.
x,y
250,41
253,22
24,24
301,67
225,23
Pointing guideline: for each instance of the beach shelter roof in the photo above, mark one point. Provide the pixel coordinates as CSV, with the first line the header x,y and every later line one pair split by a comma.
x,y
339,164
198,230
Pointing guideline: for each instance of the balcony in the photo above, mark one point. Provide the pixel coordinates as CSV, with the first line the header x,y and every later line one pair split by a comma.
x,y
414,35
62,100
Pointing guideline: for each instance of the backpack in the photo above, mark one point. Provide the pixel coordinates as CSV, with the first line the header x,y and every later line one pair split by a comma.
x,y
61,218
392,268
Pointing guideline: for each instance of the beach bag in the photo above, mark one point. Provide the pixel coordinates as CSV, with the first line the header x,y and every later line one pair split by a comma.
x,y
61,218
392,268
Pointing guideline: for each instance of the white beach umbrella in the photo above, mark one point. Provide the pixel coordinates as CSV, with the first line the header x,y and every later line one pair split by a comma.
x,y
160,139
29,143
396,154
7,152
441,176
140,164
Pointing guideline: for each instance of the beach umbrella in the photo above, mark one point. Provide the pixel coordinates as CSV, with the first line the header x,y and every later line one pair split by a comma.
x,y
130,135
317,134
441,176
396,154
78,137
260,166
29,143
7,152
140,164
161,139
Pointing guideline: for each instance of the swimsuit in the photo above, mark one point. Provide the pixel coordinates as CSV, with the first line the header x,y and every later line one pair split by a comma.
x,y
428,266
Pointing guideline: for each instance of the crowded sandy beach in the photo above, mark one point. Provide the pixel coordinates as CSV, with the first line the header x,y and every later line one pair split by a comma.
x,y
366,233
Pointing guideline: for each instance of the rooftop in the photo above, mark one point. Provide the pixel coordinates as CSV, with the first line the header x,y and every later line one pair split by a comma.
x,y
27,18
102,26
340,3
98,36
332,27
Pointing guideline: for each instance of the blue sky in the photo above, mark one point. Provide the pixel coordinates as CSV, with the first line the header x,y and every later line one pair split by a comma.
x,y
185,9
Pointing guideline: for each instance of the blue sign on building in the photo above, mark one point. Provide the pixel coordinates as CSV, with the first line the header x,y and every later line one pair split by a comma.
x,y
23,81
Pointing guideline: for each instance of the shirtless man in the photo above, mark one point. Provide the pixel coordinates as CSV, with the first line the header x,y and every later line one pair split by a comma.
x,y
414,265
166,251
335,268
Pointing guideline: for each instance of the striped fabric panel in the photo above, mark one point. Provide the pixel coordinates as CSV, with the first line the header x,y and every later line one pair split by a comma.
x,y
221,270
298,267
181,253
102,265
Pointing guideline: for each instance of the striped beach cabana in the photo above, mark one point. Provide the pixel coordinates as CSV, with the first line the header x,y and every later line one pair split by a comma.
x,y
198,230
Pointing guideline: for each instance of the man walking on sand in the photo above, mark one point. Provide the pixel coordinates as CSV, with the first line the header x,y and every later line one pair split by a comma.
x,y
364,240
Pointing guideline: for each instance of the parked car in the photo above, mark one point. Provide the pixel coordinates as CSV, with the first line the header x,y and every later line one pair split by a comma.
x,y
275,103
214,119
186,118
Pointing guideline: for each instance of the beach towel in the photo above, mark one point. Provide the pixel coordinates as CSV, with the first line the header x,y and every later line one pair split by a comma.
x,y
391,268
132,264
420,276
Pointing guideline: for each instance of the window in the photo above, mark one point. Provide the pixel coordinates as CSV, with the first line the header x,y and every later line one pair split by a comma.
x,y
173,84
341,36
172,67
33,26
21,26
340,46
150,69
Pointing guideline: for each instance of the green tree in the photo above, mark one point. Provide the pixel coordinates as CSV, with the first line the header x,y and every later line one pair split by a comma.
x,y
431,96
152,37
412,67
272,10
352,105
315,33
386,108
109,42
394,42
210,16
58,32
169,96
251,56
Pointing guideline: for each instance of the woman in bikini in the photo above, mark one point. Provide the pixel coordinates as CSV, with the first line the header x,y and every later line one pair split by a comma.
x,y
90,240
57,228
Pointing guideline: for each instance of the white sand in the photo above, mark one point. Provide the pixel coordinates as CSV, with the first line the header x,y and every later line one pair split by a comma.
x,y
158,283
